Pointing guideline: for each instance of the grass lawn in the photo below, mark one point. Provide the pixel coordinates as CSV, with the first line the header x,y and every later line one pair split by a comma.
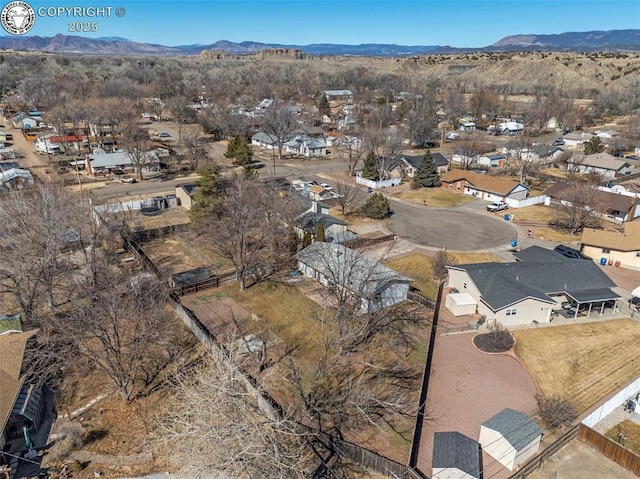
x,y
553,234
581,362
419,267
534,214
631,430
435,197
288,312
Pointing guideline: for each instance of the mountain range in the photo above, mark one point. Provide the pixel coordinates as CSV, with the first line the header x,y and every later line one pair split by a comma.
x,y
612,41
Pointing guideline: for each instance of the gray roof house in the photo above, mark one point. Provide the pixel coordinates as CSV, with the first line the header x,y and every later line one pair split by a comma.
x,y
353,275
536,284
604,164
310,221
510,437
306,146
455,456
264,140
407,165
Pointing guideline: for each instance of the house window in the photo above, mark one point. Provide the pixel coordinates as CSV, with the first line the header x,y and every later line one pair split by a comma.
x,y
450,186
512,312
605,250
458,185
638,254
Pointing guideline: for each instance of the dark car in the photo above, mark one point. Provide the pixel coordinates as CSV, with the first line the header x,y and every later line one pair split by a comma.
x,y
558,142
569,252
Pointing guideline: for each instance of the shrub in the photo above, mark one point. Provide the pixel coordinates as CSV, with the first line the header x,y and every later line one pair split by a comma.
x,y
500,338
556,411
377,206
440,262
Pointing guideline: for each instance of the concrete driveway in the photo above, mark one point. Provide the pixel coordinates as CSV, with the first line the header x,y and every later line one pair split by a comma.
x,y
457,229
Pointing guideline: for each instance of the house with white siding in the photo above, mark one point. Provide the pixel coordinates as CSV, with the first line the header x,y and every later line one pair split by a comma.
x,y
537,283
365,280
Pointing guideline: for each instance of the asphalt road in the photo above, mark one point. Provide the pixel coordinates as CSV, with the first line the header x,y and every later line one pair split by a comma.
x,y
457,230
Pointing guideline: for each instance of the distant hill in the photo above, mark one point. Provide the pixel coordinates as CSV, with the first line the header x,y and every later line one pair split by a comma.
x,y
614,40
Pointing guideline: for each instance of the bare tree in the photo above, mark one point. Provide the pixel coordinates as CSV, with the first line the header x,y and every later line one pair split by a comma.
x,y
250,229
351,149
281,123
350,195
137,143
194,150
470,148
439,265
386,145
581,207
214,427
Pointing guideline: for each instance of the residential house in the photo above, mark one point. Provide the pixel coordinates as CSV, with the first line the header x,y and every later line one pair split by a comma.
x,y
264,140
492,161
317,193
530,288
455,456
15,179
310,221
615,247
485,187
23,121
45,146
510,437
339,95
510,128
101,163
366,281
407,165
604,164
618,206
539,154
53,144
576,139
304,145
186,194
467,126
22,406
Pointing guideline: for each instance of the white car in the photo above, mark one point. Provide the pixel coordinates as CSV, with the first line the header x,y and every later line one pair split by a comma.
x,y
326,186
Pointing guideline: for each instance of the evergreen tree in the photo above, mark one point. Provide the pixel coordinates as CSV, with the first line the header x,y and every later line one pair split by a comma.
x,y
208,194
239,151
320,232
369,170
306,239
594,145
377,206
427,172
323,106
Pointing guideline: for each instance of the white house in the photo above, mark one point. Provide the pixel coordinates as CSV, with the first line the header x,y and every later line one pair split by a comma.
x,y
576,139
492,161
363,279
455,456
510,437
45,146
306,146
264,140
530,288
604,164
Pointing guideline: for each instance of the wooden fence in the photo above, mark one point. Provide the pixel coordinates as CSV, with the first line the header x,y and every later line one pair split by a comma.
x,y
423,300
611,449
209,283
537,462
364,242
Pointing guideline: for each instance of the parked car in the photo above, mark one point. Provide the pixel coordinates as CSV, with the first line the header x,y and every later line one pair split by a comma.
x,y
326,186
569,252
497,206
163,134
633,157
128,179
558,142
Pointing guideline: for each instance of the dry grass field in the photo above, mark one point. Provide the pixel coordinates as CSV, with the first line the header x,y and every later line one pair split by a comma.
x,y
631,431
534,214
419,267
581,362
434,197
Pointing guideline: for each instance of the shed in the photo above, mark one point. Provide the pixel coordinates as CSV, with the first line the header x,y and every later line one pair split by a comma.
x,y
461,304
510,437
455,456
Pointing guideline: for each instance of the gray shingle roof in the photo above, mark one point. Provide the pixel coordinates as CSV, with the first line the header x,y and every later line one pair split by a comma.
x,y
311,221
516,427
348,268
438,158
455,450
504,284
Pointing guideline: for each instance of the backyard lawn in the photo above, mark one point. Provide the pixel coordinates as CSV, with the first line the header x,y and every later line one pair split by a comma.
x,y
581,362
419,268
435,197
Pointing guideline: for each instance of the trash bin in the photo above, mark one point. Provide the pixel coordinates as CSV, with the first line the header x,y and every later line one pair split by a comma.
x,y
514,243
603,261
506,217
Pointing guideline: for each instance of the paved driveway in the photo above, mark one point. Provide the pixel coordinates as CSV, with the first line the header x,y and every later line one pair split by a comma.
x,y
457,229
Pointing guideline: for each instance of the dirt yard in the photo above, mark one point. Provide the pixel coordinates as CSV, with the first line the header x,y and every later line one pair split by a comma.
x,y
582,362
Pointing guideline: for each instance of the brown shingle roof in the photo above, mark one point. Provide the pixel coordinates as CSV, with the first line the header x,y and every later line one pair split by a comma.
x,y
492,184
627,241
12,346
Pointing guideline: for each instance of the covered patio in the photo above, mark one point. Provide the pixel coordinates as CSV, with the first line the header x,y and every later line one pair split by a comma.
x,y
584,302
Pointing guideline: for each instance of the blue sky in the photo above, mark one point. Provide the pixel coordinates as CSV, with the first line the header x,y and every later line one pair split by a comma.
x,y
458,23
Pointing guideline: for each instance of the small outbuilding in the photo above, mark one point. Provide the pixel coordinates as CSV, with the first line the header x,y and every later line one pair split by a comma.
x,y
510,437
455,456
461,304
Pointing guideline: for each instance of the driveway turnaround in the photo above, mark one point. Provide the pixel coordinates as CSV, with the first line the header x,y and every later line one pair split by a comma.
x,y
455,229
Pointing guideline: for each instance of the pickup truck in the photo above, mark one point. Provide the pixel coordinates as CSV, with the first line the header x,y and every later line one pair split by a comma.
x,y
497,206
